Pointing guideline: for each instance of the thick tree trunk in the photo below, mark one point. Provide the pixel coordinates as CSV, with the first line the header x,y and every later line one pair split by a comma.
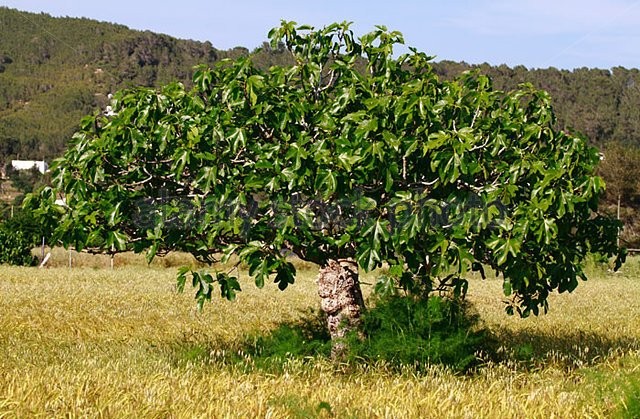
x,y
339,288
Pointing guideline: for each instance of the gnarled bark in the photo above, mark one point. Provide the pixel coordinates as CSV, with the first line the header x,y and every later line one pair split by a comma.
x,y
339,289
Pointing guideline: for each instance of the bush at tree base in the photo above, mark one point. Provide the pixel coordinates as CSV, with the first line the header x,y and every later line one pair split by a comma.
x,y
398,330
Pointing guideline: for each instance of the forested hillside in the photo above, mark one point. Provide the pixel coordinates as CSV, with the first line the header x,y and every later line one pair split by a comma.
x,y
53,71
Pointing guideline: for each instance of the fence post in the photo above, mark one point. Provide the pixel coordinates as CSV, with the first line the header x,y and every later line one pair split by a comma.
x,y
618,238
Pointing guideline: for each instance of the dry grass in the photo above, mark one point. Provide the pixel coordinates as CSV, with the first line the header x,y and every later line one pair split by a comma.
x,y
99,343
61,258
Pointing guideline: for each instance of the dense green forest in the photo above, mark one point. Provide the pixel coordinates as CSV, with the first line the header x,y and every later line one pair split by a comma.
x,y
53,71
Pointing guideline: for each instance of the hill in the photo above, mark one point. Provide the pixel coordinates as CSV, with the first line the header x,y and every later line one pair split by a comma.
x,y
53,71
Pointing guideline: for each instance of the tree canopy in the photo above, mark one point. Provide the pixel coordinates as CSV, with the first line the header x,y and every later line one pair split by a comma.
x,y
349,153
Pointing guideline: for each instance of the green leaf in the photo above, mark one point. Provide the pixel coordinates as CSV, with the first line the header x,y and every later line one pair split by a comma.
x,y
366,204
181,159
381,231
506,288
182,278
347,160
366,127
413,145
385,286
237,139
409,229
285,275
368,258
254,83
326,182
229,285
465,259
118,239
391,140
434,141
114,215
151,253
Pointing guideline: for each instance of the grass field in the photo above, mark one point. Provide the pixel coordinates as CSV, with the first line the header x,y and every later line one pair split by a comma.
x,y
94,342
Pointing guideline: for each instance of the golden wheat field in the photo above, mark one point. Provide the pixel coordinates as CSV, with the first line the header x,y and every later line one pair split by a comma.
x,y
95,342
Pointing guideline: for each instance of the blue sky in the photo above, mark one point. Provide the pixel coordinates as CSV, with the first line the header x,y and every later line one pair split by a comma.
x,y
535,33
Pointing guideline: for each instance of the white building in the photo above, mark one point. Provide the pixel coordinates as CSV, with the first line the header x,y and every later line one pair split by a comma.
x,y
41,165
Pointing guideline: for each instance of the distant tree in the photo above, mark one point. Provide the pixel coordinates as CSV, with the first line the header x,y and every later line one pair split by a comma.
x,y
16,220
627,127
25,181
8,149
348,169
619,167
15,247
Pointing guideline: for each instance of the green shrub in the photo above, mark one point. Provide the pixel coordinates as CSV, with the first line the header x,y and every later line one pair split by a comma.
x,y
398,330
404,330
15,247
25,222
